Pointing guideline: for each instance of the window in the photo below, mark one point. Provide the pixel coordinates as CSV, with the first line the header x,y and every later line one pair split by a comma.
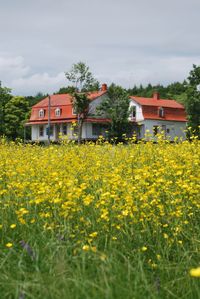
x,y
51,131
75,130
99,129
41,131
74,111
168,131
57,112
41,113
64,129
155,130
161,112
133,111
96,129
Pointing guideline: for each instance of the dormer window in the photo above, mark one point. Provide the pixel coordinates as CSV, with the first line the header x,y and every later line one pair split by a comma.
x,y
57,112
41,113
161,112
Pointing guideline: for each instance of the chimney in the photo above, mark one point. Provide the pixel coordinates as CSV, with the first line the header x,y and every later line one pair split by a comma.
x,y
104,87
156,95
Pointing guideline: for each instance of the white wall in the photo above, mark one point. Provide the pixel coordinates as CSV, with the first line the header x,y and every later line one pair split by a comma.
x,y
35,132
139,114
176,129
86,132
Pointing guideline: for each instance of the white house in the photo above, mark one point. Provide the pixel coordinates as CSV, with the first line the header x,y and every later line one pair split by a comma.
x,y
59,111
153,115
146,114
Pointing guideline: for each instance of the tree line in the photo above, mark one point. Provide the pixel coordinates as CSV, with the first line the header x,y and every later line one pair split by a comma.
x,y
15,110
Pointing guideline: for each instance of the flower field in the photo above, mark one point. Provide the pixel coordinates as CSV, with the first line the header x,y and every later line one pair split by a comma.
x,y
100,221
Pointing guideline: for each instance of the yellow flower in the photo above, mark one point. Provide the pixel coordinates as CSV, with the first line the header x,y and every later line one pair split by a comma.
x,y
9,245
93,235
86,247
195,272
13,226
94,249
144,248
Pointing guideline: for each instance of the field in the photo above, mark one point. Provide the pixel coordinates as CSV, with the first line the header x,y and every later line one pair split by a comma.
x,y
100,221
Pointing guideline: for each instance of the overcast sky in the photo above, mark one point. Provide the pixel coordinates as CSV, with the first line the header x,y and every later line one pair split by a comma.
x,y
123,41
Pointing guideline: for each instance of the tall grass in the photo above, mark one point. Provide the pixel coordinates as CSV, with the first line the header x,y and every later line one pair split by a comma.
x,y
99,221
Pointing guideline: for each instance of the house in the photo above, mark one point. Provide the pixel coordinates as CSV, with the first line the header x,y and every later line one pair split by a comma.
x,y
151,115
154,115
58,111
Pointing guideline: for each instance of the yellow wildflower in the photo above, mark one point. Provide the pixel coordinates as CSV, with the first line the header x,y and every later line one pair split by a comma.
x,y
195,272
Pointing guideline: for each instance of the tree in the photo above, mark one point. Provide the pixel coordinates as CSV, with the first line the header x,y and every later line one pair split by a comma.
x,y
81,76
5,97
16,113
35,99
116,107
193,99
81,106
68,89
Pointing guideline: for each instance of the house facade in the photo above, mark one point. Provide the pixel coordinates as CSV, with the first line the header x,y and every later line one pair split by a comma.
x,y
57,111
151,116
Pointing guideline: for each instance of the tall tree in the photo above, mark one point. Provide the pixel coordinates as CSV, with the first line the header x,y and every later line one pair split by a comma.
x,y
193,99
81,76
116,107
16,113
84,81
5,97
81,106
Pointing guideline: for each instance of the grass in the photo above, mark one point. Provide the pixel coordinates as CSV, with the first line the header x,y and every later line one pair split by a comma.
x,y
99,221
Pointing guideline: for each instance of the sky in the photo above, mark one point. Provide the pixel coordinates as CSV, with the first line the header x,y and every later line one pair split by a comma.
x,y
128,42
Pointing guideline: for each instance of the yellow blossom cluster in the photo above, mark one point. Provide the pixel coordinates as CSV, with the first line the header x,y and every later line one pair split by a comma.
x,y
98,193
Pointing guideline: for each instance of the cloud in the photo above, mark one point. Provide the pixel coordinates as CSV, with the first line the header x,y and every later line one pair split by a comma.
x,y
39,83
10,67
130,42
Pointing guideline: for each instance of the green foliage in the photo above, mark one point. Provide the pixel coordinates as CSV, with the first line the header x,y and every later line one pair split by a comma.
x,y
5,96
16,113
81,76
35,99
68,89
116,107
193,99
83,79
175,91
80,105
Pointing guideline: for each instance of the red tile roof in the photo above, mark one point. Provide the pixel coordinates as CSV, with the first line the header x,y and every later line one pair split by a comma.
x,y
56,101
157,103
62,101
173,111
65,99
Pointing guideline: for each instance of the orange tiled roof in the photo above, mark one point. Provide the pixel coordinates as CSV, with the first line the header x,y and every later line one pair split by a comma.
x,y
173,111
62,101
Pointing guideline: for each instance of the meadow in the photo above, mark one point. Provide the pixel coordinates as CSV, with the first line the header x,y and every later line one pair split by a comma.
x,y
100,221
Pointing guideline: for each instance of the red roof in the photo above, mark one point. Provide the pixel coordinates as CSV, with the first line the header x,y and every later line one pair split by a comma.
x,y
157,103
173,111
56,101
62,101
